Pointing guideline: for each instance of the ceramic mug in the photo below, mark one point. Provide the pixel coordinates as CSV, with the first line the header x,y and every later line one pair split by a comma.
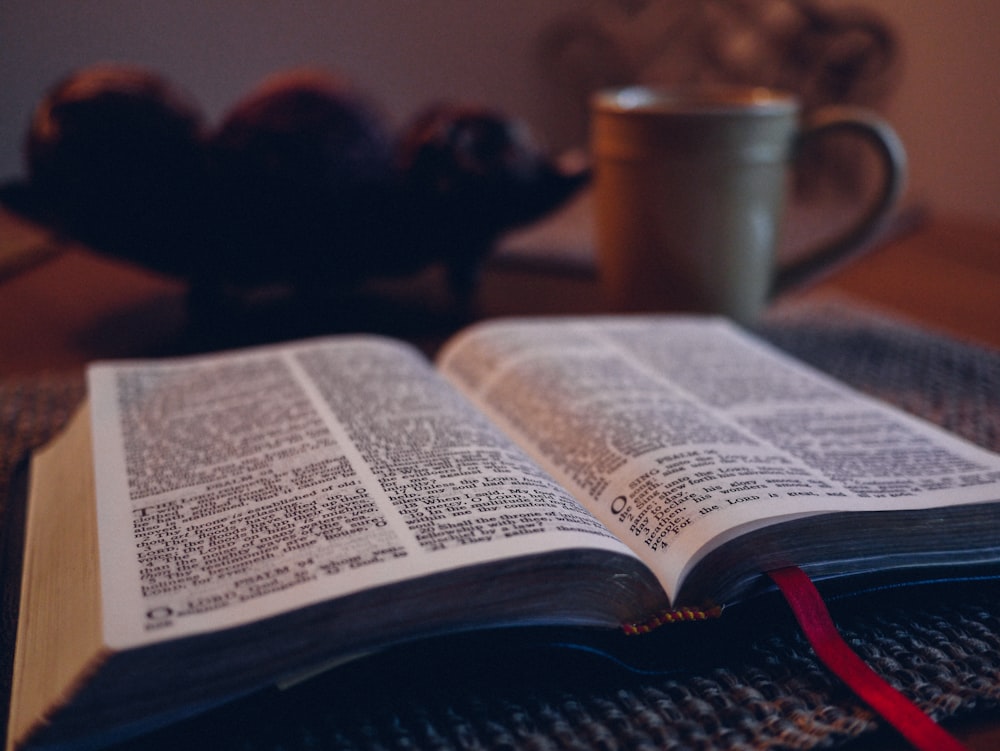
x,y
690,191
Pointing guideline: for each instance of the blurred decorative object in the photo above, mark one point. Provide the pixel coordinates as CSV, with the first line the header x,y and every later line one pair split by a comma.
x,y
469,175
824,53
301,188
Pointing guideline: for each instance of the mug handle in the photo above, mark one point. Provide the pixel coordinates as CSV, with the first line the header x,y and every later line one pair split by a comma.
x,y
889,148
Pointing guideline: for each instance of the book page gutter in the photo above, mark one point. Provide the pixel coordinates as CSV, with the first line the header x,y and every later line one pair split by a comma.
x,y
237,486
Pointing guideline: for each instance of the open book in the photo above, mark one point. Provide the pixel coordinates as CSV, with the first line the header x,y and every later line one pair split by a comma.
x,y
231,521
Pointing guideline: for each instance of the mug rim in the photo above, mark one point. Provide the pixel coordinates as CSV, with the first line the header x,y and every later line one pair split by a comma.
x,y
695,99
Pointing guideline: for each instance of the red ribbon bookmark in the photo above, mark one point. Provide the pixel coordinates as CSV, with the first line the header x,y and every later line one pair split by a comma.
x,y
810,611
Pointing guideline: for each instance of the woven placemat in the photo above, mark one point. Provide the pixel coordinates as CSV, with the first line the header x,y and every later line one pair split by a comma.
x,y
740,685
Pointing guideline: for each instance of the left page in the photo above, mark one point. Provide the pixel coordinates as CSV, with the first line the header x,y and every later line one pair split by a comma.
x,y
236,486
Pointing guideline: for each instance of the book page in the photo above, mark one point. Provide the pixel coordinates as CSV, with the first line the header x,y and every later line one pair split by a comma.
x,y
240,485
680,433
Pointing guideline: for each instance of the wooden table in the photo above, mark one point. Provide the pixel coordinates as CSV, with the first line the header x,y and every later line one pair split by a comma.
x,y
73,305
945,275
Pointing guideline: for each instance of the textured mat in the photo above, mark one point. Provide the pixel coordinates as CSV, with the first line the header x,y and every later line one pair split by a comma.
x,y
740,685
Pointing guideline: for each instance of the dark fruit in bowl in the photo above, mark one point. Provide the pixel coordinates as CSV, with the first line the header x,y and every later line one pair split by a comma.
x,y
116,158
301,169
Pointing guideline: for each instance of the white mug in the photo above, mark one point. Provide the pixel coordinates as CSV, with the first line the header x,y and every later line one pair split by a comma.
x,y
690,190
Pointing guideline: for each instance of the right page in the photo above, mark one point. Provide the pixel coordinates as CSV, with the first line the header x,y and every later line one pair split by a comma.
x,y
683,434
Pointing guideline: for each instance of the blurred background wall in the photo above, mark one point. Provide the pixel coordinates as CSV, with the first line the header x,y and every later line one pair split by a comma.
x,y
407,53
